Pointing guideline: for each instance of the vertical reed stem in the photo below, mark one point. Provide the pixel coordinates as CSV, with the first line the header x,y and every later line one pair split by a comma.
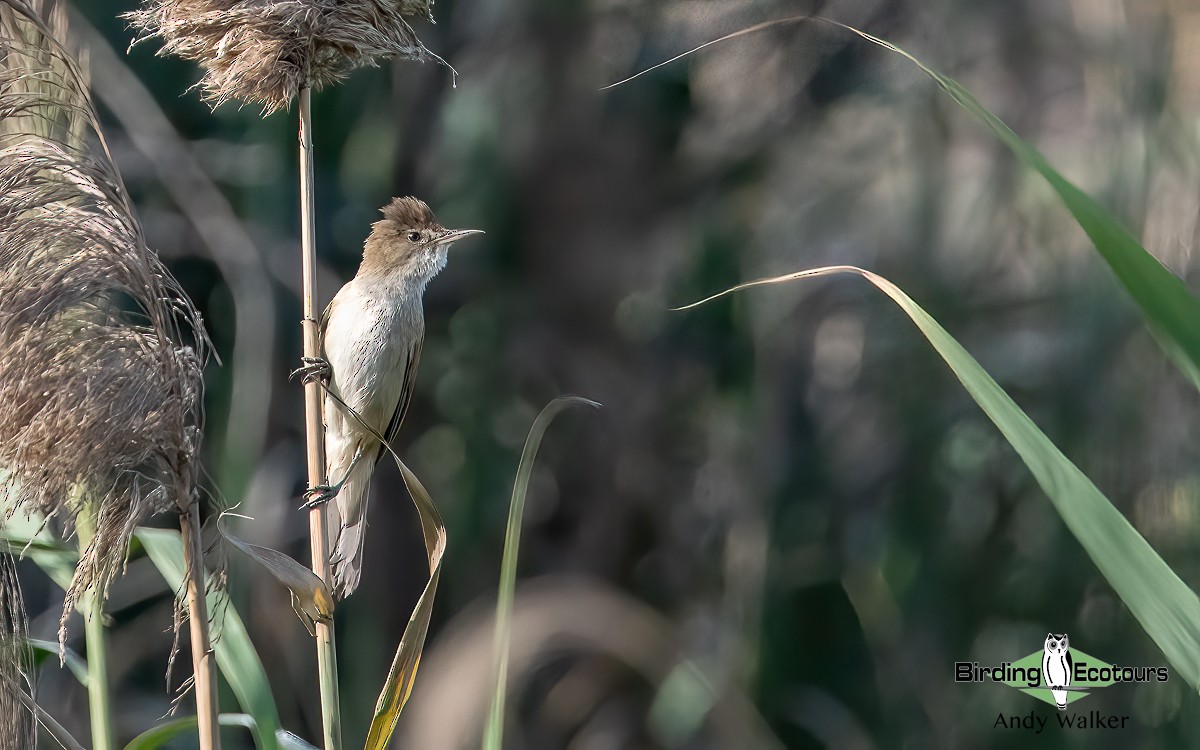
x,y
99,703
318,531
202,653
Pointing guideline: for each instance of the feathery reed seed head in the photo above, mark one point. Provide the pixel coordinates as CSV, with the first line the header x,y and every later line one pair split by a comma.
x,y
100,349
17,730
265,51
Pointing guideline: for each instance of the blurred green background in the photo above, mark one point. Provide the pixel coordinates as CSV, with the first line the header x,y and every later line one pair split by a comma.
x,y
788,521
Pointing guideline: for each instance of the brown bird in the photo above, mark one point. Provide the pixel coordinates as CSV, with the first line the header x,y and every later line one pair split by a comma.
x,y
371,334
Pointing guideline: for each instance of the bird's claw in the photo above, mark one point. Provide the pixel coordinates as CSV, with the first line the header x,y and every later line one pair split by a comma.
x,y
313,369
315,497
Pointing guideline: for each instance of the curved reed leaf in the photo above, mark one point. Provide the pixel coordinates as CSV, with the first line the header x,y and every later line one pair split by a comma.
x,y
161,734
493,735
25,535
1168,610
64,738
43,650
311,598
403,671
1170,309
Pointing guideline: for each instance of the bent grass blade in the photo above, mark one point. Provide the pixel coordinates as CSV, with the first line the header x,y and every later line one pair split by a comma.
x,y
1167,609
493,735
1170,309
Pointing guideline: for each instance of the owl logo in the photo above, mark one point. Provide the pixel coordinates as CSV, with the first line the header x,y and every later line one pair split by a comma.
x,y
1057,667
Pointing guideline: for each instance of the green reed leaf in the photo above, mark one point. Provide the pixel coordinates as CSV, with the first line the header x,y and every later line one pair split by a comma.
x,y
43,650
493,734
1168,610
161,734
235,652
1171,311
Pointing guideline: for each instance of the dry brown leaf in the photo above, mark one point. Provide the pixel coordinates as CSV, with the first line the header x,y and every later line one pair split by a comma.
x,y
403,672
311,598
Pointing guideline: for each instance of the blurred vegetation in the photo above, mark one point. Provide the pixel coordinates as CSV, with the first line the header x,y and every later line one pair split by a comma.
x,y
787,489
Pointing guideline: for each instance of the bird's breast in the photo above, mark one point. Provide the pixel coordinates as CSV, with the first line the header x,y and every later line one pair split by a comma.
x,y
367,342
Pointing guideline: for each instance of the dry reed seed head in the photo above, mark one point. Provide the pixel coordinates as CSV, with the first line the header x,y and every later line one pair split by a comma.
x,y
101,352
17,728
264,51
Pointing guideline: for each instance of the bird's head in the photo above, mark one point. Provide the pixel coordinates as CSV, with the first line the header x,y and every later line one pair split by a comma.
x,y
409,241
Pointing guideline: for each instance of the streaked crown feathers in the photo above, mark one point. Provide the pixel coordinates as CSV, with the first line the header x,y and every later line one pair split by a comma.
x,y
410,212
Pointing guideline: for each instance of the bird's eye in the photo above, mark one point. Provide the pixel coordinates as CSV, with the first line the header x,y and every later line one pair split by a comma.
x,y
414,236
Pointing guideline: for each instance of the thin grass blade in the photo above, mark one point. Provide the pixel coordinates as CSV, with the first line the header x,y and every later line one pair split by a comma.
x,y
1168,610
493,735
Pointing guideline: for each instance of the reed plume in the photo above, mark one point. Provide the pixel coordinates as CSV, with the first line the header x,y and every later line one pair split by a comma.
x,y
100,349
265,51
16,731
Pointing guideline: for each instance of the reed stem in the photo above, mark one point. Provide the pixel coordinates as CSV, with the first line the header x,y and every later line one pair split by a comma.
x,y
331,720
202,653
99,704
99,699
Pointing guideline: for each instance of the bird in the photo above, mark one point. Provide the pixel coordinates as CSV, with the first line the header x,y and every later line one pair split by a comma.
x,y
371,335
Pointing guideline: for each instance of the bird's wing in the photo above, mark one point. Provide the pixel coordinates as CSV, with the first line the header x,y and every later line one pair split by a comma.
x,y
323,324
411,358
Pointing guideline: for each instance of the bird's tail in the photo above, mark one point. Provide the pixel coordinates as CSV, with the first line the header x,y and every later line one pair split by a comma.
x,y
349,528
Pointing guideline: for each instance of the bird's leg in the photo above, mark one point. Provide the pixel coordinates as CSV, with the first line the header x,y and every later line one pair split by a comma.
x,y
314,368
323,493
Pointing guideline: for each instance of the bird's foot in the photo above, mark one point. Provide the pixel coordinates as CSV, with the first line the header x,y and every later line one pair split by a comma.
x,y
314,369
315,497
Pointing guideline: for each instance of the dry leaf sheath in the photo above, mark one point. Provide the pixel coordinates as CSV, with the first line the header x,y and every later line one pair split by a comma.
x,y
265,51
100,350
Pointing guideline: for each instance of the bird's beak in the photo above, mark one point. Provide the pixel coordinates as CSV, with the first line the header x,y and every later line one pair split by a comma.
x,y
453,235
